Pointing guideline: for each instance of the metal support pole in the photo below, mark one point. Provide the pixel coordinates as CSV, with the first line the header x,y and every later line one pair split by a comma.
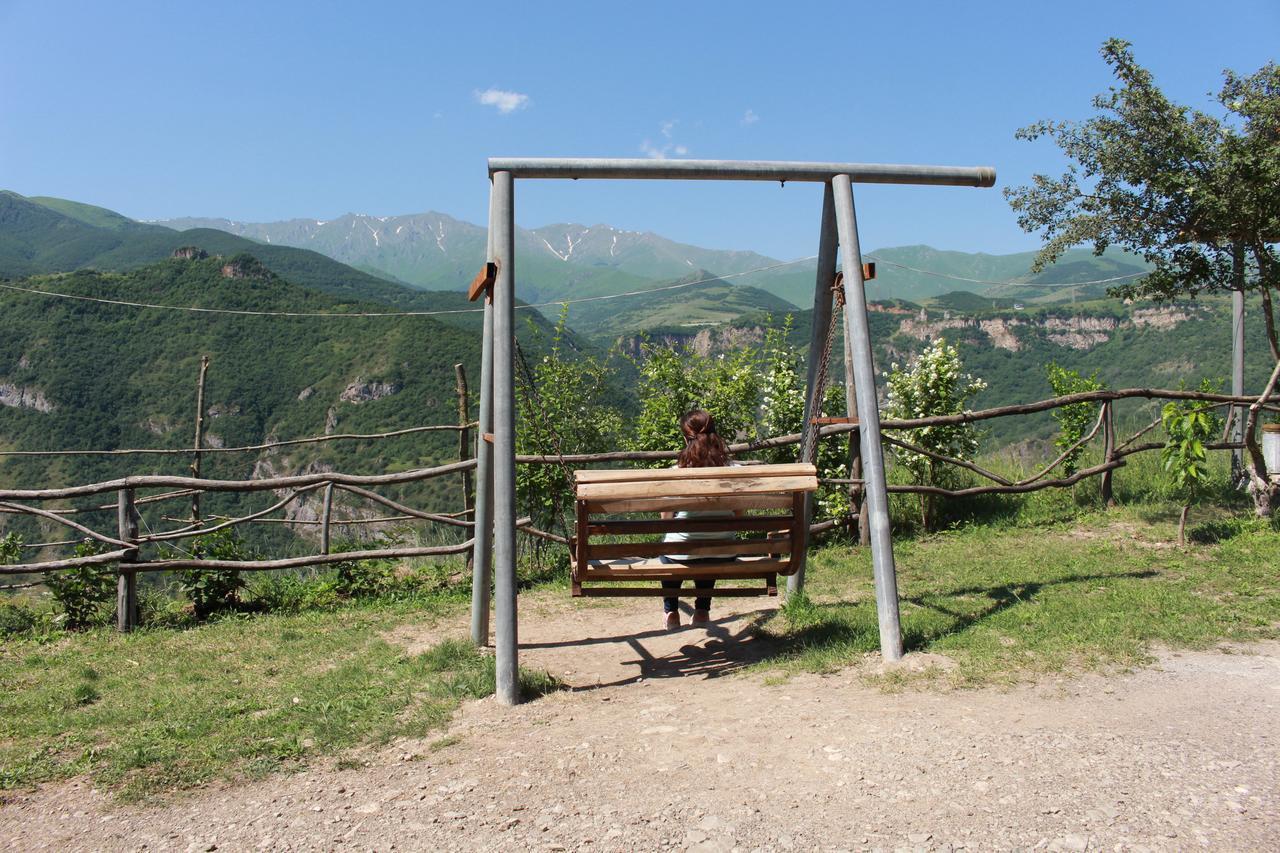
x,y
482,561
504,440
827,246
857,330
127,581
1237,414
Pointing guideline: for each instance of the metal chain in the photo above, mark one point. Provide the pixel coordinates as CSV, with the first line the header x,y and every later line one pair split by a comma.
x,y
818,392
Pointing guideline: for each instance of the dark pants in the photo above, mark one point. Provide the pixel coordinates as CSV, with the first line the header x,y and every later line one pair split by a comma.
x,y
672,605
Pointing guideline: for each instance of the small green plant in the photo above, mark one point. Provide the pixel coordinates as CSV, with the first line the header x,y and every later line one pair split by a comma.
x,y
10,548
1074,419
16,619
214,590
83,590
363,578
934,385
1188,424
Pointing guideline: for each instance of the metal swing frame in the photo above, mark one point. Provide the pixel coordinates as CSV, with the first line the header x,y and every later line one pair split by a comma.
x,y
495,506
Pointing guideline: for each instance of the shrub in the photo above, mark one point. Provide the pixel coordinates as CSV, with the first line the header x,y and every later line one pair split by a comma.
x,y
934,385
214,590
16,619
10,548
82,591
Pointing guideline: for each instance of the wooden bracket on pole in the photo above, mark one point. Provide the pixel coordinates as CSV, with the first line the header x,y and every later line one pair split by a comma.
x,y
483,282
833,420
868,271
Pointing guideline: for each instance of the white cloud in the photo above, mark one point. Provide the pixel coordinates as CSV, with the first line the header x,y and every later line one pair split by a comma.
x,y
504,101
666,146
749,117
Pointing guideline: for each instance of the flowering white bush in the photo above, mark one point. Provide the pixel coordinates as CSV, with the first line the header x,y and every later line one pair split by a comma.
x,y
933,385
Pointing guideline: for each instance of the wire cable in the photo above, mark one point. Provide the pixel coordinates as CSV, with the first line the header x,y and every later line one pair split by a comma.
x,y
356,314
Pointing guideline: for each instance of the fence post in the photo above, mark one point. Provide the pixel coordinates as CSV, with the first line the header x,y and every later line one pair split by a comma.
x,y
127,581
199,440
464,434
1108,452
325,514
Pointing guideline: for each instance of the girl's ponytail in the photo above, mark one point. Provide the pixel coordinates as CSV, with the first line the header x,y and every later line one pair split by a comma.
x,y
703,446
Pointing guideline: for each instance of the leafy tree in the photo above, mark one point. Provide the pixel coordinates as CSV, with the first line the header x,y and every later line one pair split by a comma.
x,y
673,381
781,391
1196,195
934,385
1074,420
1188,425
564,406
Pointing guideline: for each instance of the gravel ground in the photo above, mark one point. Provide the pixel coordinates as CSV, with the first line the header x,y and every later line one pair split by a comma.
x,y
662,745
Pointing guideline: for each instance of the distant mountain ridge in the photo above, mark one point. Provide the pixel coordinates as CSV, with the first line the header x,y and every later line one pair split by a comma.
x,y
569,260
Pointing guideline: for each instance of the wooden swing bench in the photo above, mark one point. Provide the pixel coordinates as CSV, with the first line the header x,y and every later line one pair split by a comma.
x,y
772,546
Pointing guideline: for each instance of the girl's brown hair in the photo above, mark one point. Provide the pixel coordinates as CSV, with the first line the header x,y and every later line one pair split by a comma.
x,y
703,447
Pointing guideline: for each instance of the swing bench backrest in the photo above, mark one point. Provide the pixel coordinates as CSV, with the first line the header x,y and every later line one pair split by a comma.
x,y
618,537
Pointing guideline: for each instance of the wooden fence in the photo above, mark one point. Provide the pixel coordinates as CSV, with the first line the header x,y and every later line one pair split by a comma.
x,y
125,543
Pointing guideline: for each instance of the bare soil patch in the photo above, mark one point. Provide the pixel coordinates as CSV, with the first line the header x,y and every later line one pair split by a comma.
x,y
663,742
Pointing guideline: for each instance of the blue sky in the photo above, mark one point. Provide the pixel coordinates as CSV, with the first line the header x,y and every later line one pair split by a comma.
x,y
263,111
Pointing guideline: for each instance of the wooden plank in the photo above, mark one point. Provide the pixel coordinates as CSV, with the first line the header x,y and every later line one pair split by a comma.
x,y
716,547
683,592
693,504
483,282
747,524
798,536
696,488
581,545
827,421
655,570
633,474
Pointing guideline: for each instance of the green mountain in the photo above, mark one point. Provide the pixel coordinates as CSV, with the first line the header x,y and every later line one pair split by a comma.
x,y
40,236
77,375
707,301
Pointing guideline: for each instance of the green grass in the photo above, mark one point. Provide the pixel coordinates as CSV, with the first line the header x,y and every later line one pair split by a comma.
x,y
1009,604
163,710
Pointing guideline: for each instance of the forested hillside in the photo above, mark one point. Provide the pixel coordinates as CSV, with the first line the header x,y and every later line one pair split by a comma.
x,y
80,375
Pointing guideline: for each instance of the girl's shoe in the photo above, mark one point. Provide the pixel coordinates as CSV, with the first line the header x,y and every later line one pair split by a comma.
x,y
700,617
673,620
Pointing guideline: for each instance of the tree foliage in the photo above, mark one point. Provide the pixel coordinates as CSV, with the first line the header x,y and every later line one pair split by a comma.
x,y
1196,195
1075,419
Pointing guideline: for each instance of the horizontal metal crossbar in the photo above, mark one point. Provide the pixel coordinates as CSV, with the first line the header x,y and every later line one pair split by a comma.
x,y
574,168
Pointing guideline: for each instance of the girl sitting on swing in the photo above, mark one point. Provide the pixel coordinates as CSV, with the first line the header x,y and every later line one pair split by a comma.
x,y
703,448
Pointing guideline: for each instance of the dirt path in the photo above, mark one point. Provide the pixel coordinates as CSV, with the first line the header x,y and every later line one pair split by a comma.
x,y
660,745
